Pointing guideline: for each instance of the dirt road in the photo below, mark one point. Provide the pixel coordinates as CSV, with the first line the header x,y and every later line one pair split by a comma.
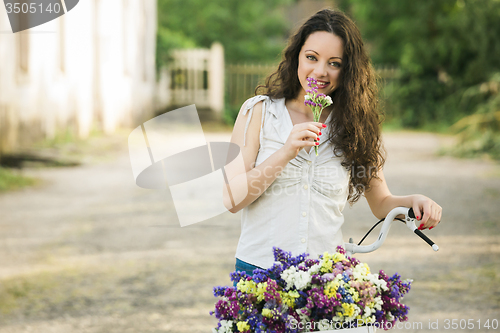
x,y
88,251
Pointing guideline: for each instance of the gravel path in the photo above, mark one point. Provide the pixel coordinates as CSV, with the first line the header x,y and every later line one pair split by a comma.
x,y
88,251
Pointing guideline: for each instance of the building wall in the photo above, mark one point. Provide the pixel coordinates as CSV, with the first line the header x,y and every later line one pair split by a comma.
x,y
90,68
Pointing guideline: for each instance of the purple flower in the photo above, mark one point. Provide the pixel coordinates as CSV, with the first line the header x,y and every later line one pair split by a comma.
x,y
260,275
219,291
238,275
328,277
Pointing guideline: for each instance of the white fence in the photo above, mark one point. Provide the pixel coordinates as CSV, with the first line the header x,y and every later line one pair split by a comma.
x,y
195,76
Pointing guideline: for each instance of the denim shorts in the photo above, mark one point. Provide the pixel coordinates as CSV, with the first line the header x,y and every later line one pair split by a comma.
x,y
244,267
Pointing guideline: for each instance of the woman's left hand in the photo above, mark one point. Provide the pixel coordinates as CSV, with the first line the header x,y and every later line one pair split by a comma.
x,y
427,212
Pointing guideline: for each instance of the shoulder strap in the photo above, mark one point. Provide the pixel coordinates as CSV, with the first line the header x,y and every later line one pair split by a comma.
x,y
249,104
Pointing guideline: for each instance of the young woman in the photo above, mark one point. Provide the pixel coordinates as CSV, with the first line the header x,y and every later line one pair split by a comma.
x,y
290,197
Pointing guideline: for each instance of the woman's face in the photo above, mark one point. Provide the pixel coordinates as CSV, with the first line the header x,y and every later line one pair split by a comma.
x,y
321,58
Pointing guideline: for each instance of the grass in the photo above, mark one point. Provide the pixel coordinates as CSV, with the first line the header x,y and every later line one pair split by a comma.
x,y
11,180
64,150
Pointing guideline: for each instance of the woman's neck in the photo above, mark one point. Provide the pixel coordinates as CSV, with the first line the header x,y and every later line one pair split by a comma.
x,y
297,104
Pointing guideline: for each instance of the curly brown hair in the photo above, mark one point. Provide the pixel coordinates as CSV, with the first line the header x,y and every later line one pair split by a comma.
x,y
355,120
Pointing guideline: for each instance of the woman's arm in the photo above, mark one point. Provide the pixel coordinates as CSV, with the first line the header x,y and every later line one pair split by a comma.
x,y
247,182
381,202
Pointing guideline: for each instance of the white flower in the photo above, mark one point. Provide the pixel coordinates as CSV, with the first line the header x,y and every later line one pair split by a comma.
x,y
329,100
378,283
378,303
314,269
360,272
226,326
292,277
368,311
307,97
357,310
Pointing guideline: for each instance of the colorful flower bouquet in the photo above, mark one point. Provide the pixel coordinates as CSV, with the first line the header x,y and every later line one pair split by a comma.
x,y
298,294
317,102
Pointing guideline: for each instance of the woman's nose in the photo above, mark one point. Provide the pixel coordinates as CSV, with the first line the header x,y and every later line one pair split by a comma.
x,y
320,70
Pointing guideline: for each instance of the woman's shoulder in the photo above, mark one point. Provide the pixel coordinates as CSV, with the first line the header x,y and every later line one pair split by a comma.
x,y
268,104
252,101
256,108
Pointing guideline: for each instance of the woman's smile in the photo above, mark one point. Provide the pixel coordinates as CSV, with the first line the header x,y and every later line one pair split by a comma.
x,y
322,84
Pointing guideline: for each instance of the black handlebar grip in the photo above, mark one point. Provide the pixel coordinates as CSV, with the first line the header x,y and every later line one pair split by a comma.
x,y
425,238
411,213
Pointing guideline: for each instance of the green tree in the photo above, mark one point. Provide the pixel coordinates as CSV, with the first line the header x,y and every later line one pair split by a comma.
x,y
442,47
248,30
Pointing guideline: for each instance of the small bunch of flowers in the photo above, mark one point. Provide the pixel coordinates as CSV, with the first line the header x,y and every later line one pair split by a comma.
x,y
316,101
298,294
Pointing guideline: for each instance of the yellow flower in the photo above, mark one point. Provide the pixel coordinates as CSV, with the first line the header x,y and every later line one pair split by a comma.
x,y
338,257
243,326
354,293
348,309
331,289
289,298
261,289
326,265
248,287
267,313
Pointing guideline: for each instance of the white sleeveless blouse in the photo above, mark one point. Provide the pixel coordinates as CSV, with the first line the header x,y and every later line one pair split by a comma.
x,y
301,211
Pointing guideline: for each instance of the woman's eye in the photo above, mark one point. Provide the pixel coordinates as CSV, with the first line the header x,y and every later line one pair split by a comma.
x,y
310,57
335,64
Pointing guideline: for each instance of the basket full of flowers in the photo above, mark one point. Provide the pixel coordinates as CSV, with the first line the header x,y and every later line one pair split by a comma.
x,y
299,294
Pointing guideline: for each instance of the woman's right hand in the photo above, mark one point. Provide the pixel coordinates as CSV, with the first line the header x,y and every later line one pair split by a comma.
x,y
302,135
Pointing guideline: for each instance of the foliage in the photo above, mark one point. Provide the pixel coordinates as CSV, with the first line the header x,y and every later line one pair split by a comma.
x,y
167,40
480,133
248,30
441,47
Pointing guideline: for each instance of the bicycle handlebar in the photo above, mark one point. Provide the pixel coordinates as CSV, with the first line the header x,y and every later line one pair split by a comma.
x,y
411,215
410,223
